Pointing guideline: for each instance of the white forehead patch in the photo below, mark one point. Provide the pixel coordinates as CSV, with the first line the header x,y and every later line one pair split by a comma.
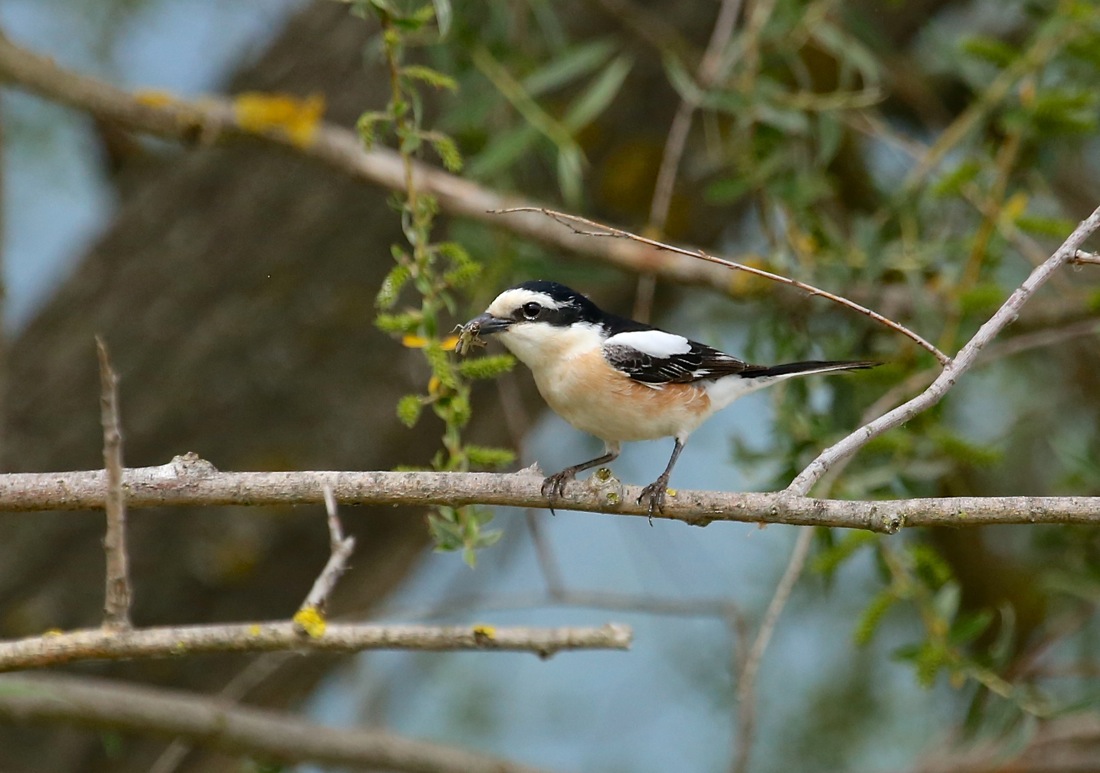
x,y
655,343
510,300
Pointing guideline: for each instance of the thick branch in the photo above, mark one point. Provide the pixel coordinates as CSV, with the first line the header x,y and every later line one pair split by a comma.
x,y
214,121
961,363
268,735
55,649
188,480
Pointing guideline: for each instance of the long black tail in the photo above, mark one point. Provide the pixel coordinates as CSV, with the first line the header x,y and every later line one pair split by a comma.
x,y
805,368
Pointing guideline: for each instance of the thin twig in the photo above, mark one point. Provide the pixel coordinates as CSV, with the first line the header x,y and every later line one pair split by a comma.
x,y
746,687
116,604
190,481
1081,257
54,649
260,733
341,548
961,363
571,221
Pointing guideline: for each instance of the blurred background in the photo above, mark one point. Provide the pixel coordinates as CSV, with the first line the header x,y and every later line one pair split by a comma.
x,y
919,157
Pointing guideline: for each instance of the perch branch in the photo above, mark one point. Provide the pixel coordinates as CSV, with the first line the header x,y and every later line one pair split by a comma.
x,y
188,480
268,735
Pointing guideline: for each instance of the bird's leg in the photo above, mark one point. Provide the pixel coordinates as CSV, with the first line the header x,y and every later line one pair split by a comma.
x,y
554,486
655,491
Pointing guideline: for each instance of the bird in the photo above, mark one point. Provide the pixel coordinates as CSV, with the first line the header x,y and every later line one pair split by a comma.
x,y
622,380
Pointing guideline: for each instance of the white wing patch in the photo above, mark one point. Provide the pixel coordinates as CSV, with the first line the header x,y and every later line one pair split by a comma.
x,y
655,343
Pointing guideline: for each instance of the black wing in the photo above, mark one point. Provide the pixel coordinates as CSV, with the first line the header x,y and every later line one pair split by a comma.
x,y
653,356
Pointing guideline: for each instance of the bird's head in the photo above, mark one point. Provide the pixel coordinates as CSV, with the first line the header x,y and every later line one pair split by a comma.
x,y
541,321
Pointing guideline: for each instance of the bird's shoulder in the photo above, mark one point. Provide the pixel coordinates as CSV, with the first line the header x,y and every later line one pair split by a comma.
x,y
654,356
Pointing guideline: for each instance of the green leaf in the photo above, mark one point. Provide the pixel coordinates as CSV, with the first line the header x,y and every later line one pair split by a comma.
x,y
440,362
493,458
930,565
1045,226
570,162
829,560
446,149
443,16
681,80
990,49
366,126
599,94
398,324
970,626
872,615
433,78
946,601
486,367
982,298
408,410
961,450
571,64
502,152
952,183
391,287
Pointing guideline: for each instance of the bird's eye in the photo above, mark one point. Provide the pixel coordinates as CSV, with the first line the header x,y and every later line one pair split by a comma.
x,y
531,310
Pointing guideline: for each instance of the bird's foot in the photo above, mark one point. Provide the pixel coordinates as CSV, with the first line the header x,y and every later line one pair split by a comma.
x,y
553,488
655,493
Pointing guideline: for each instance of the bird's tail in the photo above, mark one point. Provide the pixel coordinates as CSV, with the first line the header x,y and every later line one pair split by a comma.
x,y
804,368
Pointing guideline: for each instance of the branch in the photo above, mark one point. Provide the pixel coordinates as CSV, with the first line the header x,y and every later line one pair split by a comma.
x,y
1081,257
961,363
572,221
269,735
53,649
188,480
116,603
310,616
215,121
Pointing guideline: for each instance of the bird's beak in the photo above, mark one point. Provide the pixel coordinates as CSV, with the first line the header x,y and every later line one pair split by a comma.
x,y
487,324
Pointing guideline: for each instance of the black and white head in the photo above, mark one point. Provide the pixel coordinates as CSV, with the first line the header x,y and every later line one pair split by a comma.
x,y
540,321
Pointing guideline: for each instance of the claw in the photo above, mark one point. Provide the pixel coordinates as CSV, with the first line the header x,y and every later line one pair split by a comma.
x,y
655,493
553,488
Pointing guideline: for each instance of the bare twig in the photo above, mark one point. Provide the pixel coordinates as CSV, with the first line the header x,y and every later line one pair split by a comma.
x,y
341,548
269,735
188,480
746,687
1081,257
54,649
961,363
214,120
573,221
116,604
